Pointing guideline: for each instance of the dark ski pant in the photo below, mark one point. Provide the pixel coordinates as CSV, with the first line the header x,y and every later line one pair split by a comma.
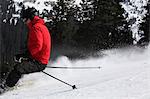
x,y
25,67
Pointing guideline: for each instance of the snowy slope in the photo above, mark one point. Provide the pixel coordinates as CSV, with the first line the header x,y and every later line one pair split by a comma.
x,y
125,74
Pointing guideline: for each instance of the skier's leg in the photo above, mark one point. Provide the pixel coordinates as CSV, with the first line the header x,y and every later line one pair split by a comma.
x,y
13,78
30,67
24,68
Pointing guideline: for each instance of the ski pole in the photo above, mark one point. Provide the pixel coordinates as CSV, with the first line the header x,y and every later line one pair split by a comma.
x,y
73,86
73,67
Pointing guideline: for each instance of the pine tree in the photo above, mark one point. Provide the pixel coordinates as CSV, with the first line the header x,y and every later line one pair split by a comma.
x,y
12,35
108,26
65,21
87,10
110,16
0,36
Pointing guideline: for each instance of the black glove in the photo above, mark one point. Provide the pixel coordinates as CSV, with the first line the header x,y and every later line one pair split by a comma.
x,y
18,58
21,57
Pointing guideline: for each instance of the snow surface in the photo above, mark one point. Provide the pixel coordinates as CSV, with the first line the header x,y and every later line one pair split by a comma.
x,y
125,74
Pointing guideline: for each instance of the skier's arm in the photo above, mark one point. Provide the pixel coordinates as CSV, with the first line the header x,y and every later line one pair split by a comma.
x,y
35,41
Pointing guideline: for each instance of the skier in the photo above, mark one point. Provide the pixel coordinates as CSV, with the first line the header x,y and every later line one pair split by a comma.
x,y
38,49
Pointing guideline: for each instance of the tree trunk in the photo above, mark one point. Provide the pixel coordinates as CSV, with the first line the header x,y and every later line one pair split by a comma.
x,y
0,40
149,19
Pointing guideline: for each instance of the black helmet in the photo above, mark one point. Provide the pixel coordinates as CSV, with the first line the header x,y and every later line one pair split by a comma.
x,y
29,13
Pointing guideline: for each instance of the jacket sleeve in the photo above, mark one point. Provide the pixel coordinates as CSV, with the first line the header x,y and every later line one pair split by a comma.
x,y
35,41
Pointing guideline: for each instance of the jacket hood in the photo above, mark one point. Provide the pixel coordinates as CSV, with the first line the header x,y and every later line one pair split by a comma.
x,y
36,20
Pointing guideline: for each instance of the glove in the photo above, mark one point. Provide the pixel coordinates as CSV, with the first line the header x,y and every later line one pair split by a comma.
x,y
20,57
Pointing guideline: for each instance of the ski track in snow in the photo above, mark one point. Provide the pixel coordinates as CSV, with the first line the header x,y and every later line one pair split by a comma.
x,y
125,74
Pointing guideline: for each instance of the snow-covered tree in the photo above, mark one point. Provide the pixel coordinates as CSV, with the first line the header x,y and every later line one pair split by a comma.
x,y
65,12
87,10
107,26
135,12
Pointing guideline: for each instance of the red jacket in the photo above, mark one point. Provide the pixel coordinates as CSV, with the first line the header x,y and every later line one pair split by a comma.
x,y
39,40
